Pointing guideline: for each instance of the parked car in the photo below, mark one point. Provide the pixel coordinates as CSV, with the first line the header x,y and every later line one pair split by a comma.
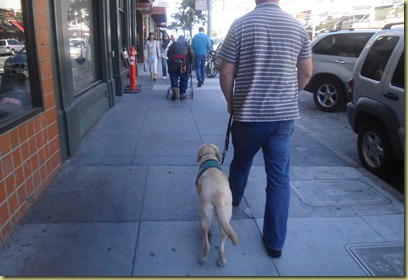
x,y
10,46
16,66
77,48
376,110
335,54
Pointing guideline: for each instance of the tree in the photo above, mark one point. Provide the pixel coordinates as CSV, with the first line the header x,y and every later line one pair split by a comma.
x,y
187,17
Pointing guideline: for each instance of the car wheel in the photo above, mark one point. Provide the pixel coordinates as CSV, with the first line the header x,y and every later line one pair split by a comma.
x,y
374,150
328,95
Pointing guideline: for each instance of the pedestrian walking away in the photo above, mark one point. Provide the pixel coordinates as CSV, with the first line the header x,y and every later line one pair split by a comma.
x,y
153,55
265,62
201,45
165,44
180,55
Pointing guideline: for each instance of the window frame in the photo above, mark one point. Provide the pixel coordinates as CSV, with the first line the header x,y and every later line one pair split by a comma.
x,y
378,58
64,68
397,75
33,68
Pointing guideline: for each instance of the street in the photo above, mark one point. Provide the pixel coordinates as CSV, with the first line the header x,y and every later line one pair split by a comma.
x,y
333,131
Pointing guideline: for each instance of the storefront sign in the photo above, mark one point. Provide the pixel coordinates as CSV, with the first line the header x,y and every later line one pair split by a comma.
x,y
144,7
201,4
159,11
162,3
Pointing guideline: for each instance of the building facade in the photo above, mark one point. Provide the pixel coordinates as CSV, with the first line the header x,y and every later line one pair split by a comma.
x,y
71,69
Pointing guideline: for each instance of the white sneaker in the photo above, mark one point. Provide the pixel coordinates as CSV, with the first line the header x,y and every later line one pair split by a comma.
x,y
165,77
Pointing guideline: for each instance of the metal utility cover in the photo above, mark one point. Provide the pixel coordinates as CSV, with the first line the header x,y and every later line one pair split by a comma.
x,y
379,260
337,193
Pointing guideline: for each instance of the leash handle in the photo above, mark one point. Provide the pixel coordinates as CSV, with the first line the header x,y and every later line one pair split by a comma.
x,y
227,136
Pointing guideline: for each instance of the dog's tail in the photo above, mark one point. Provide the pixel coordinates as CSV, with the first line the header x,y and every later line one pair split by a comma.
x,y
226,227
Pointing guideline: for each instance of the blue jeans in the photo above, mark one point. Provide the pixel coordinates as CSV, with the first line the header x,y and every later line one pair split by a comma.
x,y
164,67
174,80
200,67
274,138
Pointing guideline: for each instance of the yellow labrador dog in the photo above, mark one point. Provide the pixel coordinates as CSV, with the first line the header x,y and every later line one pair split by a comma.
x,y
215,200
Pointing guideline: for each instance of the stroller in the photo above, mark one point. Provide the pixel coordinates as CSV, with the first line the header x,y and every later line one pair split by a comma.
x,y
190,84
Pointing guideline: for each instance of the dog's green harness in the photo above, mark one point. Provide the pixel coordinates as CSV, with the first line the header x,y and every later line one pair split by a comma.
x,y
211,163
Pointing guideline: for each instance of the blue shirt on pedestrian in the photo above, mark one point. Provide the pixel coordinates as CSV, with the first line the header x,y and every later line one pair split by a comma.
x,y
201,44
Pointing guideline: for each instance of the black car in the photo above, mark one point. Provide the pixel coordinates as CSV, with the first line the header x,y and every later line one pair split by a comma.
x,y
16,66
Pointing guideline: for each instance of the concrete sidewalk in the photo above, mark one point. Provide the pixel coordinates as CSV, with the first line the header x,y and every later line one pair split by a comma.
x,y
125,204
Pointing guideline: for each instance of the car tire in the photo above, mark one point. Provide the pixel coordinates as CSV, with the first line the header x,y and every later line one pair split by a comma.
x,y
374,150
328,94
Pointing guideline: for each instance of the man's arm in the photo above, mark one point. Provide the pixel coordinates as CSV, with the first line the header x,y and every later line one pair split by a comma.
x,y
193,42
227,71
304,72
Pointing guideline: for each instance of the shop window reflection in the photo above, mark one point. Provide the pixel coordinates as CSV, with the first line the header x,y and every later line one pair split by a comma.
x,y
81,43
15,93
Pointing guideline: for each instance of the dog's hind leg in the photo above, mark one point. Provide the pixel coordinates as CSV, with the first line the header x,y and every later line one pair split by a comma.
x,y
221,259
205,231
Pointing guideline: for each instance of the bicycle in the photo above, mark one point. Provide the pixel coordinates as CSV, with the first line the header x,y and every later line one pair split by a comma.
x,y
211,64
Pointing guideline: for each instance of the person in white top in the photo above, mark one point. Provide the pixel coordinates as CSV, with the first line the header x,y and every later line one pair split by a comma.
x,y
165,44
153,54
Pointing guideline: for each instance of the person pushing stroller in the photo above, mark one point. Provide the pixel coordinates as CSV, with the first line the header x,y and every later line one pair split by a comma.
x,y
180,55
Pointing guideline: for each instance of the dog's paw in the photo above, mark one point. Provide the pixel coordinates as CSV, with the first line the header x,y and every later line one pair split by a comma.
x,y
202,260
222,262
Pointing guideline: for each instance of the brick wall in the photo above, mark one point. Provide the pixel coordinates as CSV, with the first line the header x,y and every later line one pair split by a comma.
x,y
29,153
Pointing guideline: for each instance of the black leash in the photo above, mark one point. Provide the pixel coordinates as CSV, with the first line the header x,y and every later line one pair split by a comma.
x,y
227,136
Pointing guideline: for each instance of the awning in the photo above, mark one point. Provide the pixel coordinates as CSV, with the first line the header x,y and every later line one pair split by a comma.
x,y
159,15
16,24
144,6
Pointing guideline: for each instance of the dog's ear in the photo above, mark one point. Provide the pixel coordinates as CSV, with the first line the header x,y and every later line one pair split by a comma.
x,y
199,153
217,152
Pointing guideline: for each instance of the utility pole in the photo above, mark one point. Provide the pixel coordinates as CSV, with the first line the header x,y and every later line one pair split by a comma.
x,y
209,24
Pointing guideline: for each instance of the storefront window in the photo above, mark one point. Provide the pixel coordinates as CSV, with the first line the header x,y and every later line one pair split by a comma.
x,y
81,36
15,91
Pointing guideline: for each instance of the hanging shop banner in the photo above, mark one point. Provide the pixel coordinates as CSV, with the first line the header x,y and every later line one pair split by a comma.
x,y
144,7
162,3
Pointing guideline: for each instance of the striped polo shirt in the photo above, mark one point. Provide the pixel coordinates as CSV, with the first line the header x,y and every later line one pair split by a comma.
x,y
265,45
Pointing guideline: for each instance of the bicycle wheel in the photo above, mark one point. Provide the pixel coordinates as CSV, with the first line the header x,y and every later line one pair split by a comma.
x,y
212,69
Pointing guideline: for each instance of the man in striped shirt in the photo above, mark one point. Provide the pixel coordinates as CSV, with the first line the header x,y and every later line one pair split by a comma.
x,y
266,61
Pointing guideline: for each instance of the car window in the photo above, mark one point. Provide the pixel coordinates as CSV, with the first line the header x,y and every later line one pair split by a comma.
x,y
13,42
2,43
398,77
357,43
332,45
378,56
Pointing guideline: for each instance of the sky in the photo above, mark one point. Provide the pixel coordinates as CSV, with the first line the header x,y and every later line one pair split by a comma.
x,y
10,4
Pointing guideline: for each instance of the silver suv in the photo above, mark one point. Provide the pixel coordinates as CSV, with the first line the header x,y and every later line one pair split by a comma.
x,y
10,46
376,110
335,54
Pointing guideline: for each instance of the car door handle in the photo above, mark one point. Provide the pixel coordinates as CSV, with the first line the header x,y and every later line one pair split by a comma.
x,y
391,96
339,61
